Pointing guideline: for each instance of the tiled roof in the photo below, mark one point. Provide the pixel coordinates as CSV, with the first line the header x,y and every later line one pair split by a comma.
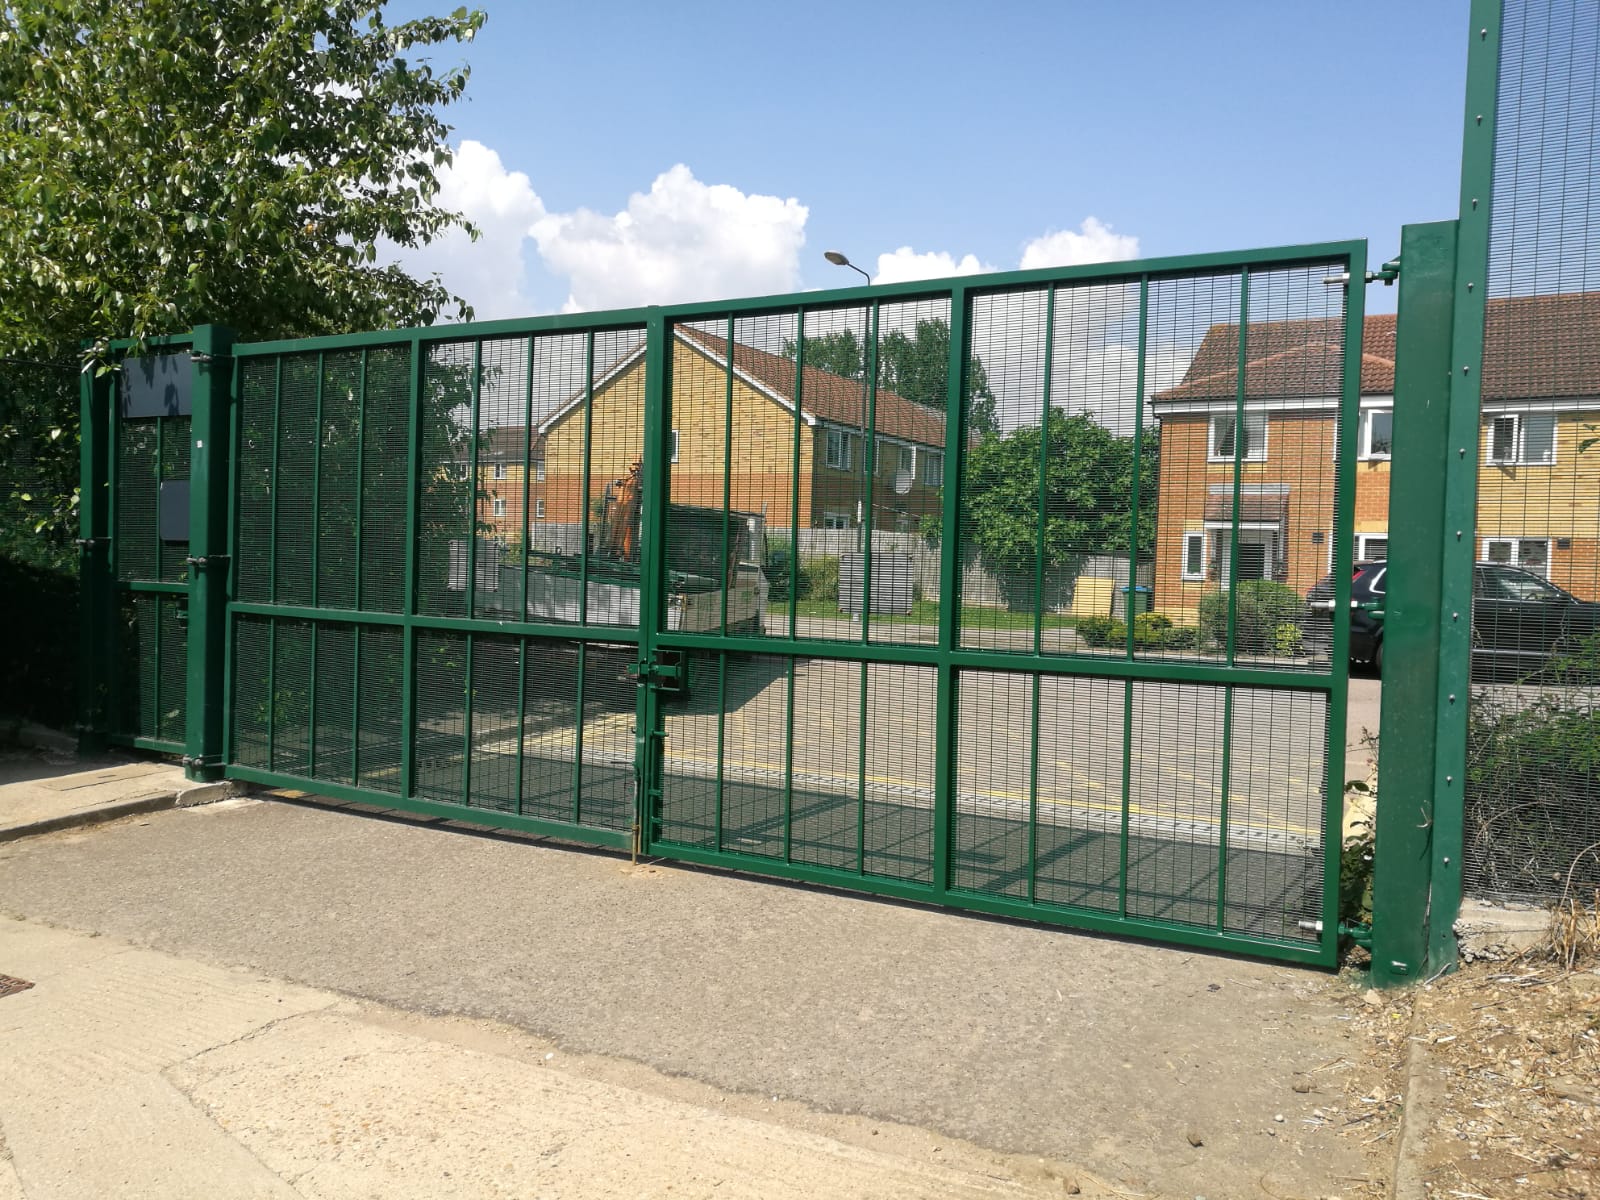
x,y
504,444
826,396
1534,347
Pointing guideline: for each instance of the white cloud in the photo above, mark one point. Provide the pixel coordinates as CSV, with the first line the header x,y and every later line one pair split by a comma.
x,y
683,240
489,273
1094,242
906,264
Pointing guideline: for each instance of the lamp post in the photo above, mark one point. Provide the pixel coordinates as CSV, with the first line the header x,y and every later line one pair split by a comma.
x,y
839,260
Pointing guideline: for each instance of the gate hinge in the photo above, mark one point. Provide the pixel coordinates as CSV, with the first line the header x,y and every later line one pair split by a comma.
x,y
199,356
205,560
1388,273
91,543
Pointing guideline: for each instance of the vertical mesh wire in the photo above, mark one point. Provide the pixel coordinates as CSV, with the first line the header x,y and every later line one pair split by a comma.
x,y
171,676
994,831
291,697
496,684
550,729
823,757
252,551
445,508
502,422
1531,820
252,691
896,817
339,463
137,483
385,479
1079,768
604,796
441,729
1276,772
379,730
172,557
295,519
333,717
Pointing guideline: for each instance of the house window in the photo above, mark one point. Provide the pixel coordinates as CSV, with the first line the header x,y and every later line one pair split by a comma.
x,y
672,441
499,507
1377,433
499,470
908,461
1531,554
838,450
1222,447
538,509
835,520
933,468
538,469
1194,554
1525,439
1372,547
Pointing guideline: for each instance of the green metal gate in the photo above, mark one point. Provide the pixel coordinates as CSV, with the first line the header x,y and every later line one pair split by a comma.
x,y
985,593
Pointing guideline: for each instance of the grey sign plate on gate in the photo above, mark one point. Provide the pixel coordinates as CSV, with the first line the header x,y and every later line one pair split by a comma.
x,y
157,385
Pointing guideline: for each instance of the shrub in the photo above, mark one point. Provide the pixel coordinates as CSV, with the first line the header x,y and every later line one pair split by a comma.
x,y
779,576
819,578
1101,631
1151,631
1262,608
1533,776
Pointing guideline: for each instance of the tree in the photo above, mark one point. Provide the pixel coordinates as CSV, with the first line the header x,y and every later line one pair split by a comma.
x,y
917,366
1088,484
163,166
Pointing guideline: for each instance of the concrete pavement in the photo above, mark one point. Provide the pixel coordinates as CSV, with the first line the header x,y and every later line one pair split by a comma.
x,y
42,790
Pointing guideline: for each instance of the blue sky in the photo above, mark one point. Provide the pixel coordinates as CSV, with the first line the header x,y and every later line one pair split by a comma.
x,y
629,153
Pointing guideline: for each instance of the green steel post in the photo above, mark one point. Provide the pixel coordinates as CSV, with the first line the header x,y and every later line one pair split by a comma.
x,y
588,483
947,711
472,487
316,513
361,469
869,463
527,513
728,566
1044,475
208,550
1130,607
652,566
1241,370
408,651
794,522
96,617
1415,619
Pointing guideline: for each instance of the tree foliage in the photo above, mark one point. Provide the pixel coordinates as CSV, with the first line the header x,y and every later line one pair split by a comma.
x,y
1088,488
164,164
916,365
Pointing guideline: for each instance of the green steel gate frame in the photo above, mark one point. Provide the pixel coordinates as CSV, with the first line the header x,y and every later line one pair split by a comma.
x,y
220,617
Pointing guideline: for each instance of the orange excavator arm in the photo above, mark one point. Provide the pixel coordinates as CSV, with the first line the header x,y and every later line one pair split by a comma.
x,y
620,538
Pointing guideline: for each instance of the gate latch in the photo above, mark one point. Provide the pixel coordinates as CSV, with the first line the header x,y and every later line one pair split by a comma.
x,y
667,671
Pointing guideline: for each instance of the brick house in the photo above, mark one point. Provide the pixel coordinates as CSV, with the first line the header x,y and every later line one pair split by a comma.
x,y
830,485
1539,493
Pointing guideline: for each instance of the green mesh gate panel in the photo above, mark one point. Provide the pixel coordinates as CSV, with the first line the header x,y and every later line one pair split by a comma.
x,y
148,675
1531,821
415,620
996,596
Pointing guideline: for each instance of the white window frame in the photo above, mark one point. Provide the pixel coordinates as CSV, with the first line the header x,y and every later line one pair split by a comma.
x,y
1364,439
499,470
1254,456
499,506
907,460
538,470
538,509
933,465
1191,536
837,454
836,520
673,442
1516,544
1519,441
1361,545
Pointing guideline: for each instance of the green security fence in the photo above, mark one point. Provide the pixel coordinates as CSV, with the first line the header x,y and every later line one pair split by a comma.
x,y
987,594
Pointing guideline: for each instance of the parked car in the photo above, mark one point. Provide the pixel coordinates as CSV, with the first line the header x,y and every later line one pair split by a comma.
x,y
1520,621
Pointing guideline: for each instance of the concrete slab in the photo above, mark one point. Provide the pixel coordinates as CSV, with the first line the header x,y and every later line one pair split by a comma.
x,y
41,792
136,1074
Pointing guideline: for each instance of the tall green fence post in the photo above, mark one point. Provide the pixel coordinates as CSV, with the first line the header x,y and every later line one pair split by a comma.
x,y
211,355
1403,881
94,562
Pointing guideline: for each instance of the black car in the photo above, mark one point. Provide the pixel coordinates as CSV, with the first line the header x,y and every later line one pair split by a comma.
x,y
1520,621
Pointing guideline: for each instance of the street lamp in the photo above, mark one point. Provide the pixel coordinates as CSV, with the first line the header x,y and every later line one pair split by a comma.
x,y
839,260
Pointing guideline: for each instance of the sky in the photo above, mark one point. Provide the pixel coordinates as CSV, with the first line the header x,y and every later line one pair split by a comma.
x,y
625,153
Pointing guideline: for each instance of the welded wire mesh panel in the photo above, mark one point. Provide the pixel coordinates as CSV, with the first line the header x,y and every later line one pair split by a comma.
x,y
502,423
379,727
692,775
251,711
385,491
295,480
1275,793
333,715
1078,814
171,683
994,830
338,480
137,481
829,717
496,693
605,792
441,727
1175,802
896,817
445,508
172,556
292,670
257,488
550,727
1531,819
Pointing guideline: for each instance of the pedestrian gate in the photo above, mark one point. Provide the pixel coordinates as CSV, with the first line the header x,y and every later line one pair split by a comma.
x,y
987,592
